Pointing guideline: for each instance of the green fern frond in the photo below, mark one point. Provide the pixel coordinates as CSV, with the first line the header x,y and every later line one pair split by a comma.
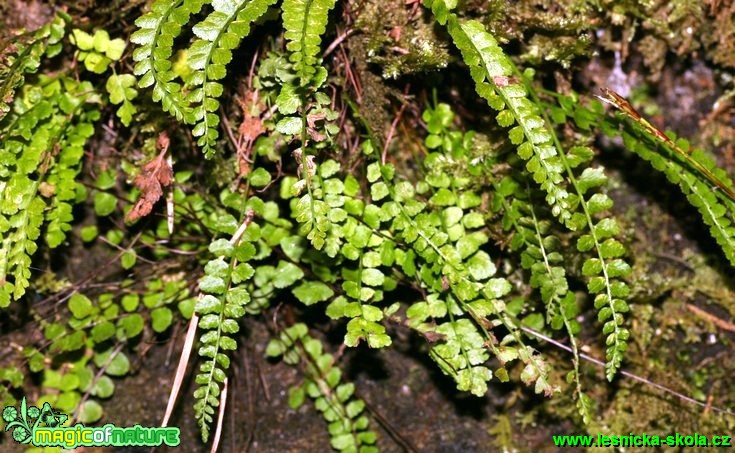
x,y
445,242
155,36
717,210
225,297
348,424
305,21
539,253
22,54
41,157
496,81
218,34
607,268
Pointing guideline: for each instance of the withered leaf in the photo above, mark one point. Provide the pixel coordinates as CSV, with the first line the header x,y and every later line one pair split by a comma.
x,y
153,177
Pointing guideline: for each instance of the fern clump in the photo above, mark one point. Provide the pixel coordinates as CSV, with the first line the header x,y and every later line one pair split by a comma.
x,y
44,136
281,188
554,170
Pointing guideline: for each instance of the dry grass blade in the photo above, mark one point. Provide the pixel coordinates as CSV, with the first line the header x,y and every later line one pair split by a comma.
x,y
220,417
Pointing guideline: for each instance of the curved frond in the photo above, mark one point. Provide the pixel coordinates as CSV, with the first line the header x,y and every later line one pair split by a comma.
x,y
155,37
717,211
218,34
497,82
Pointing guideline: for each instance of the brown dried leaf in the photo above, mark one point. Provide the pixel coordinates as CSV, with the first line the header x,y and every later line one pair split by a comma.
x,y
153,177
252,109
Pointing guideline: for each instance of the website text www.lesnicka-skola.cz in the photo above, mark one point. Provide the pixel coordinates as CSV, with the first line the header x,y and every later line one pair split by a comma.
x,y
643,440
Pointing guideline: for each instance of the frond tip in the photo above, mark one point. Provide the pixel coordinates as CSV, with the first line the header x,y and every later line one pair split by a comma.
x,y
305,21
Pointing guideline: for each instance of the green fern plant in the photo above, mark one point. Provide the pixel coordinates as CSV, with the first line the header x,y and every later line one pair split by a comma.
x,y
348,425
506,89
42,149
376,246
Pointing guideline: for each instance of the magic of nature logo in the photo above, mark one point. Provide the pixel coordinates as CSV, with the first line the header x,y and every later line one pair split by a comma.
x,y
44,428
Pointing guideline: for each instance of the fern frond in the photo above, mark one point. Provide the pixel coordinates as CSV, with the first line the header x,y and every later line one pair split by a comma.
x,y
22,55
348,425
225,297
438,243
538,250
218,34
496,81
305,21
155,36
445,243
607,268
717,210
41,156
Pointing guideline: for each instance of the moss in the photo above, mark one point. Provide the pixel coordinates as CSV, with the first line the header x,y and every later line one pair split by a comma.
x,y
654,52
721,38
400,40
